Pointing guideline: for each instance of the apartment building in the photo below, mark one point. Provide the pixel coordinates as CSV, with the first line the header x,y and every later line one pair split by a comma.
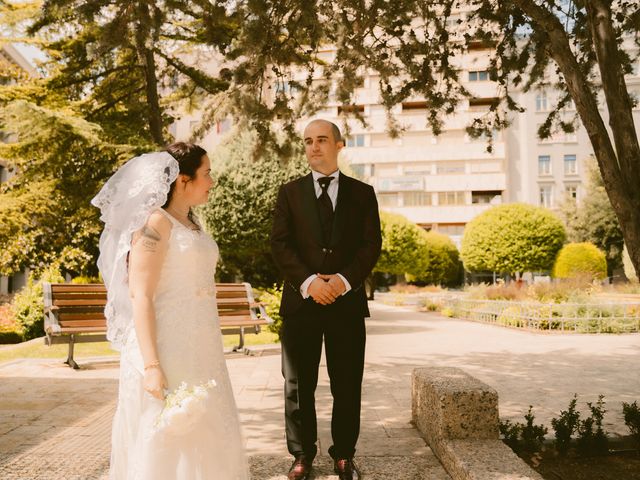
x,y
443,182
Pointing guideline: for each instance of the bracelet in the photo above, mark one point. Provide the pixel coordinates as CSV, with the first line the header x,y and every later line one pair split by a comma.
x,y
155,364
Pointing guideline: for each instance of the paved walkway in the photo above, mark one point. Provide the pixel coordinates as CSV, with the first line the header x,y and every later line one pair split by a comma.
x,y
55,422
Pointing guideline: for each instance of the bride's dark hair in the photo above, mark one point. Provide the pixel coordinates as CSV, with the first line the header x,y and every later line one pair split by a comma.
x,y
189,158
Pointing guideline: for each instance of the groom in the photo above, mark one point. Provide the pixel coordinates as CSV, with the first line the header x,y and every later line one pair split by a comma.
x,y
325,240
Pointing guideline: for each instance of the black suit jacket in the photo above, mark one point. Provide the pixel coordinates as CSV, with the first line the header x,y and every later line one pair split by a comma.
x,y
299,250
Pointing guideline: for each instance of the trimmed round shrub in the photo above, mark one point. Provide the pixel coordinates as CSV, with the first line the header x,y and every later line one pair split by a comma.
x,y
402,244
579,260
438,263
512,238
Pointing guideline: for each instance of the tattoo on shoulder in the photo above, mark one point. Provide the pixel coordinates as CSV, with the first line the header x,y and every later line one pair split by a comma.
x,y
150,233
149,245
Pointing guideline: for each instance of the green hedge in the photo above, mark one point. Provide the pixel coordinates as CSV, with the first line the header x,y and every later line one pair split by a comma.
x,y
580,260
271,298
438,262
512,238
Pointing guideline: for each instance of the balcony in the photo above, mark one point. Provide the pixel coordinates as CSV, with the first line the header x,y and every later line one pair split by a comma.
x,y
426,152
440,214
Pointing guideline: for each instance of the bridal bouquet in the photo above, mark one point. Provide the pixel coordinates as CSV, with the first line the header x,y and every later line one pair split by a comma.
x,y
183,408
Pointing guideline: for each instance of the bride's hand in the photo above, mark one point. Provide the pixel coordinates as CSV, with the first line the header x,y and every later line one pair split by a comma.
x,y
155,382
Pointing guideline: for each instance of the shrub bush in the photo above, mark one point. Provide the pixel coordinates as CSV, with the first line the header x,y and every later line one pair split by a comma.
x,y
512,238
85,280
565,426
526,436
580,260
272,297
402,245
438,262
592,439
631,412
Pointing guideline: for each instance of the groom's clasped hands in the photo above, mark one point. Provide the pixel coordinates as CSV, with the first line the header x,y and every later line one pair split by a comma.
x,y
326,288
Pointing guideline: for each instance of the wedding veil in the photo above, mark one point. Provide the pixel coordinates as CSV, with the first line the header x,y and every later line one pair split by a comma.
x,y
137,189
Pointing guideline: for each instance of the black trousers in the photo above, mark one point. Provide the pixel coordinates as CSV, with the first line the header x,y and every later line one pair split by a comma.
x,y
344,340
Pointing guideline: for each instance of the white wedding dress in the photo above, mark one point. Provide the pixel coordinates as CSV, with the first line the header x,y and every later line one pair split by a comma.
x,y
190,350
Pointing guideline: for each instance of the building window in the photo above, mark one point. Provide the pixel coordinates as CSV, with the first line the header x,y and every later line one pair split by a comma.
x,y
570,165
546,192
409,106
449,168
350,109
285,87
571,192
355,141
388,199
541,102
451,229
416,199
485,197
451,198
480,104
544,165
479,76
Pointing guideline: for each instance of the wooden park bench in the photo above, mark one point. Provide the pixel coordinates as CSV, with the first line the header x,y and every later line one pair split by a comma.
x,y
74,313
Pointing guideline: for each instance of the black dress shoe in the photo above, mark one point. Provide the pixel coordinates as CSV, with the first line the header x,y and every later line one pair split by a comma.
x,y
347,469
300,469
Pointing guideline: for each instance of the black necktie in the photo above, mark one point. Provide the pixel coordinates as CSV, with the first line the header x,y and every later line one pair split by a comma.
x,y
325,207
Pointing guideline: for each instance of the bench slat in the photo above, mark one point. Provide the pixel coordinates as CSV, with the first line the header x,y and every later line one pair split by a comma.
x,y
82,330
79,296
66,287
80,303
246,323
233,301
70,317
83,323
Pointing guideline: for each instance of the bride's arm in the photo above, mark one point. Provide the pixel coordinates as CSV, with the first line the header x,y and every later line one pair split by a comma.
x,y
148,250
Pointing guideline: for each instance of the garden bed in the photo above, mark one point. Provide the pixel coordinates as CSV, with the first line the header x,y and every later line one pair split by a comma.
x,y
616,466
566,317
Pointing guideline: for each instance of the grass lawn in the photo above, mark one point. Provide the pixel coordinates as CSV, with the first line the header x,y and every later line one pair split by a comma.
x,y
38,349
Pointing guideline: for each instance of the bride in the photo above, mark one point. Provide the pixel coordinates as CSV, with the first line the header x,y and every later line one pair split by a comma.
x,y
158,266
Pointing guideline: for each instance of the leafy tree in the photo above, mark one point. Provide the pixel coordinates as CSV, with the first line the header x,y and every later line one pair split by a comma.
x,y
594,220
60,164
240,208
512,238
582,49
439,262
577,260
125,63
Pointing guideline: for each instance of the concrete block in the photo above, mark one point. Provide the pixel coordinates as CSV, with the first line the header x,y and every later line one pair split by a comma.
x,y
448,403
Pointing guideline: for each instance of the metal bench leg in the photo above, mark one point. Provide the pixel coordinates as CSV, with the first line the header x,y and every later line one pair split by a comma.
x,y
240,346
70,361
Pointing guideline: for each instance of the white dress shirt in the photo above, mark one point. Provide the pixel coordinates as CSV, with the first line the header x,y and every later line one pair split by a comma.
x,y
332,191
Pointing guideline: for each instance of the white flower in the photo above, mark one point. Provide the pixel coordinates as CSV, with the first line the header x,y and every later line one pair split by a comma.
x,y
183,408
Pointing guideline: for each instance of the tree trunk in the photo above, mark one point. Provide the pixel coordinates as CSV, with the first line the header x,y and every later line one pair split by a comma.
x,y
620,169
148,62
